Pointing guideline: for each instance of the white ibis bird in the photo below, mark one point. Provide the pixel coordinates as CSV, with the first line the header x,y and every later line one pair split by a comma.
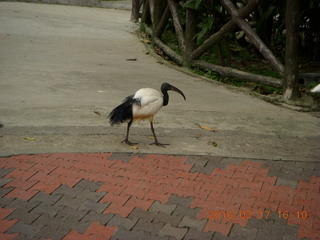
x,y
316,88
144,104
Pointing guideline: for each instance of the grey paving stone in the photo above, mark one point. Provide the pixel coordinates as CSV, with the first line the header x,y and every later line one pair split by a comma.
x,y
165,208
93,206
5,191
45,198
166,218
20,204
26,229
127,223
184,202
193,234
152,228
4,181
93,196
67,191
70,201
5,171
238,232
23,215
147,216
75,224
191,212
93,216
168,230
123,234
124,157
287,182
86,184
198,161
48,209
49,233
68,212
192,223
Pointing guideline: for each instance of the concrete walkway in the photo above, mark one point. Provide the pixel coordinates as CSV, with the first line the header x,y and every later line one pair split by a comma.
x,y
60,64
65,175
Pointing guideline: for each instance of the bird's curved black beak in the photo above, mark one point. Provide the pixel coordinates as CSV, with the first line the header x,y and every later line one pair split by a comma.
x,y
170,87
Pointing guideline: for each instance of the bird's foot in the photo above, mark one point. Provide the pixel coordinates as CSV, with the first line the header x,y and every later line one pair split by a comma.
x,y
160,144
129,143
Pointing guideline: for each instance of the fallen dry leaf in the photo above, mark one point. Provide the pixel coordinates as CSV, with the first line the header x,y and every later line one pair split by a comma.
x,y
146,41
98,113
212,143
131,59
134,147
30,138
207,128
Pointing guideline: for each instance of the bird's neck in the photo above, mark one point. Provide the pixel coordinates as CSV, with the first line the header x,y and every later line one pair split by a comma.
x,y
165,98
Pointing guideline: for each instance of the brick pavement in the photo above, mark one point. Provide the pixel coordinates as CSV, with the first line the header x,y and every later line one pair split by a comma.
x,y
144,196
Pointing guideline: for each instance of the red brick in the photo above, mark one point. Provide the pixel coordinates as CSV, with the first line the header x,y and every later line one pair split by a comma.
x,y
283,193
115,199
22,184
200,203
20,174
21,194
161,197
123,211
97,231
46,187
40,167
71,181
246,176
308,233
286,206
220,172
108,187
130,191
237,219
313,195
230,181
250,185
263,195
4,212
205,213
72,235
244,201
269,180
5,224
207,179
241,169
4,236
135,202
260,204
223,228
307,186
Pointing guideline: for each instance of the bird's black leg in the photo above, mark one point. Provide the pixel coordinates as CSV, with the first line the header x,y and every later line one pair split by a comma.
x,y
155,137
127,136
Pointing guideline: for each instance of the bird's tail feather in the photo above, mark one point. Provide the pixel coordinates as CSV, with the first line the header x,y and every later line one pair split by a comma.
x,y
122,113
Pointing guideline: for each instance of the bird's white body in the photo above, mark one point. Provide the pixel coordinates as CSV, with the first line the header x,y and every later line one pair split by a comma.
x,y
148,102
316,88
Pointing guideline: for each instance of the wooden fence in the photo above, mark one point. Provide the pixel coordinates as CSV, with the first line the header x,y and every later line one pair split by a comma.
x,y
155,15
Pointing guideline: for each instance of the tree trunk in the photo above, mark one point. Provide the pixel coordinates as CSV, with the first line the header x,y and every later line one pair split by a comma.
x,y
191,22
291,88
176,22
135,10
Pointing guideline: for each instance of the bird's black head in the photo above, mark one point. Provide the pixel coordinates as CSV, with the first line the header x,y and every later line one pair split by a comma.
x,y
165,87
